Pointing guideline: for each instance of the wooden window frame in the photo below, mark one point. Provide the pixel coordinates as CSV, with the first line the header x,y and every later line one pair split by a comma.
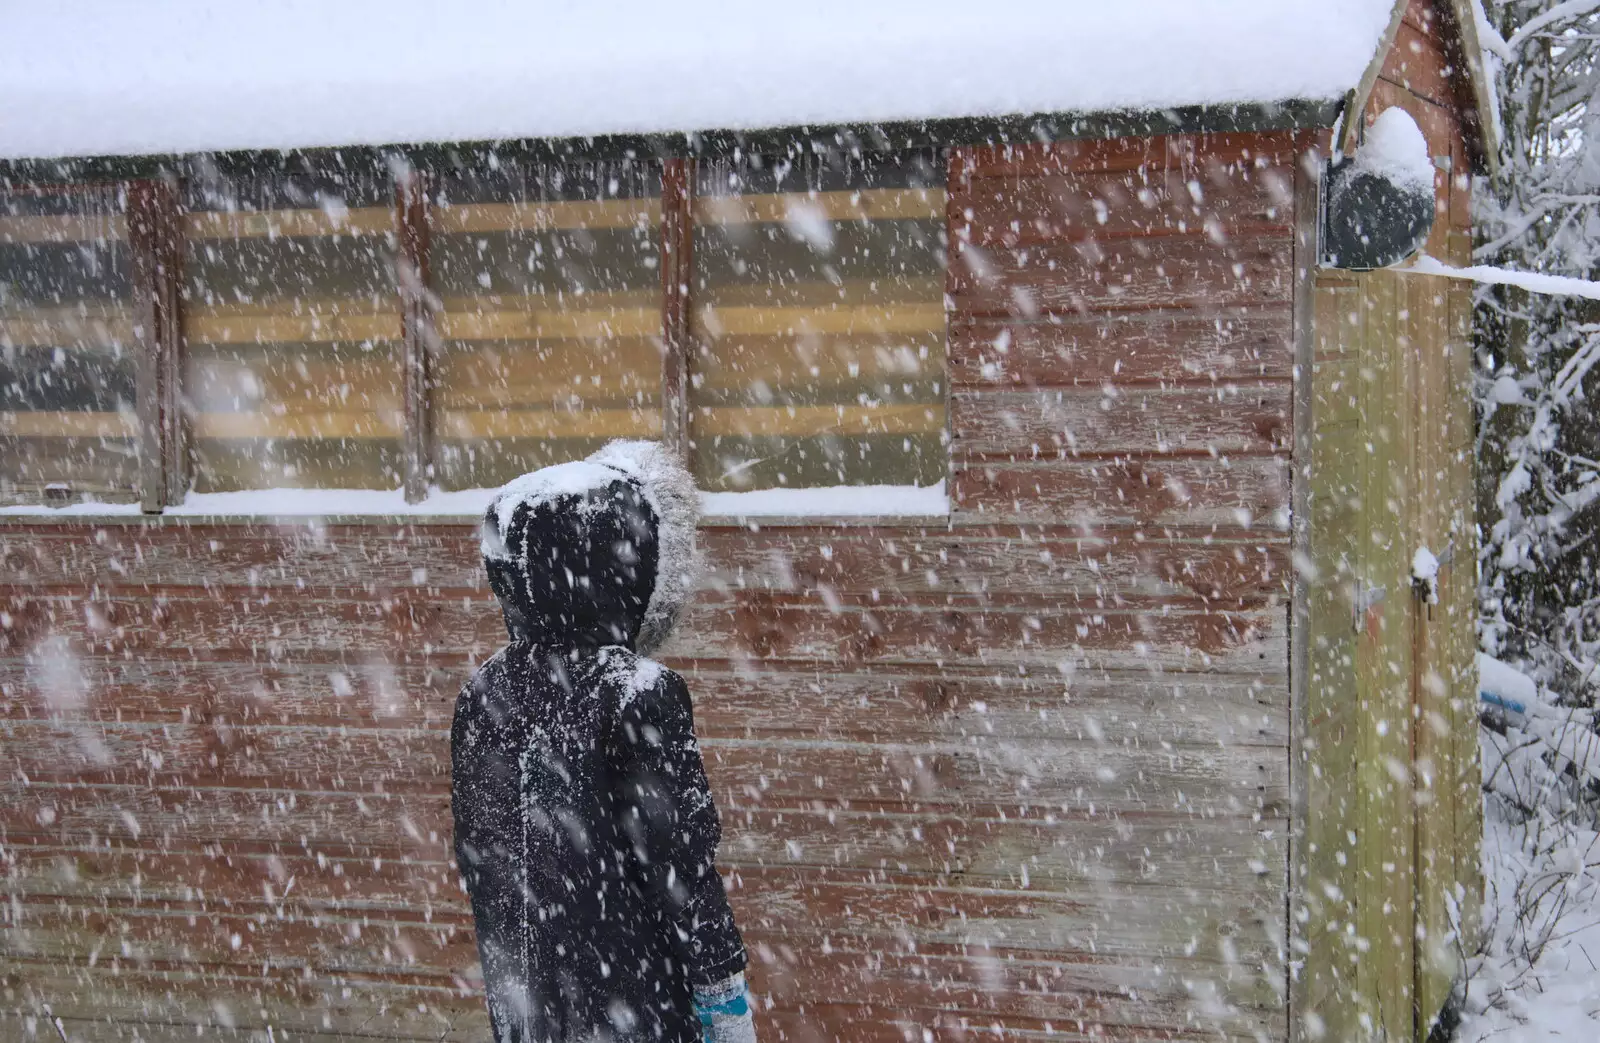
x,y
413,207
156,247
677,270
158,244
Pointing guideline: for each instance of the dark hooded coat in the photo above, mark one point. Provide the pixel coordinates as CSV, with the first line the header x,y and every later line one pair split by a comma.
x,y
584,825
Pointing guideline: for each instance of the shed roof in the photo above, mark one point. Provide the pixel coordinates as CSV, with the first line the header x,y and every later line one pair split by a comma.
x,y
104,77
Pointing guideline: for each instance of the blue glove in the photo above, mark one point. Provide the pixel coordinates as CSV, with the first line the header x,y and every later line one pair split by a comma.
x,y
724,1010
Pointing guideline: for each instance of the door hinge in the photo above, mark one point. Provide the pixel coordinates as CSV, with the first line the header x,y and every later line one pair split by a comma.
x,y
1368,597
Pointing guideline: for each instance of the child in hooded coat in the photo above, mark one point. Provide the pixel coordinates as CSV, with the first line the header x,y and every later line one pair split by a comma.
x,y
584,825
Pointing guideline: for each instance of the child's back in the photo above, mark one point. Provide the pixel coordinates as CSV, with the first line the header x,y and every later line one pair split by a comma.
x,y
585,828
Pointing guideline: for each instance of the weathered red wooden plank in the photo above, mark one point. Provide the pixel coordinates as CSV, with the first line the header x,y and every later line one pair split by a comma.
x,y
390,1020
1065,775
441,568
1147,202
264,626
1121,275
1418,63
1176,495
378,558
1103,999
1232,420
1051,849
1107,563
739,625
817,1021
1111,638
385,946
326,941
1164,348
1091,155
850,907
179,1001
868,918
872,704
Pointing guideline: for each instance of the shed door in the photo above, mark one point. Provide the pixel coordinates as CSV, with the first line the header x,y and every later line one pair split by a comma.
x,y
1389,856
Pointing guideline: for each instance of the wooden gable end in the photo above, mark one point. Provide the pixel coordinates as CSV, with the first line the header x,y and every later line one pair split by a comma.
x,y
1430,62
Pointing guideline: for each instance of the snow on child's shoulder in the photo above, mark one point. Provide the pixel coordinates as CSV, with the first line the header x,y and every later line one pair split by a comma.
x,y
631,673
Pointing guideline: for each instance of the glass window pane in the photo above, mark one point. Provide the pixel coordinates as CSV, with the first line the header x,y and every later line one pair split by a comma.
x,y
292,320
551,323
818,320
67,424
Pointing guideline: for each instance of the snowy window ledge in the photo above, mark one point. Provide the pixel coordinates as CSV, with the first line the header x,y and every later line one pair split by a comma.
x,y
770,507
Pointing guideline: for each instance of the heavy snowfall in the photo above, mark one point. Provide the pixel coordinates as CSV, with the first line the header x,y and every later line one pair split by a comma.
x,y
336,393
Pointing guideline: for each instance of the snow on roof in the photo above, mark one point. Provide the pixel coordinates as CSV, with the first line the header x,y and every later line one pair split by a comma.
x,y
107,77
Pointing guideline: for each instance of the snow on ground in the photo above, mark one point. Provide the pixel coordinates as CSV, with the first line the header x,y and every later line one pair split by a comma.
x,y
1538,979
109,77
1556,998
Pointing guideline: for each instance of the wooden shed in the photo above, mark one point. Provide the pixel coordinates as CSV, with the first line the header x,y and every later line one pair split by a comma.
x,y
1058,663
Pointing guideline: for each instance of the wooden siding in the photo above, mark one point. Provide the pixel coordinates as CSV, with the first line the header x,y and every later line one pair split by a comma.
x,y
1387,879
1025,772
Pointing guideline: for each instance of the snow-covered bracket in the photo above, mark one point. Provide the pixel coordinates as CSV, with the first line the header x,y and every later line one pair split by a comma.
x,y
1378,205
1425,566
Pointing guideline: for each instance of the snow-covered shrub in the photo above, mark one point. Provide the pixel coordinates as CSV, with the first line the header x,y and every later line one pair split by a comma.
x,y
1535,976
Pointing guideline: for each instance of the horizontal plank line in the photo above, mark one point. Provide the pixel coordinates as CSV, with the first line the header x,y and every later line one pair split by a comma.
x,y
68,424
267,533
95,845
1029,236
63,228
1059,454
1102,311
542,216
692,668
964,386
756,421
1070,599
465,661
1048,813
1152,313
733,738
238,1026
275,224
865,204
969,812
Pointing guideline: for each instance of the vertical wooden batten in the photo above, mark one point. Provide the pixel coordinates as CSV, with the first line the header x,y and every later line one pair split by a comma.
x,y
958,189
1307,218
155,241
417,331
677,268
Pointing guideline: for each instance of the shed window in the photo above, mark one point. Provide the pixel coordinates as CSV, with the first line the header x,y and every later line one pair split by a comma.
x,y
285,353
67,358
550,320
291,322
818,322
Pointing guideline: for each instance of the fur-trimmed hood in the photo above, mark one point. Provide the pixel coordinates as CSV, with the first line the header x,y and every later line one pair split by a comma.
x,y
595,552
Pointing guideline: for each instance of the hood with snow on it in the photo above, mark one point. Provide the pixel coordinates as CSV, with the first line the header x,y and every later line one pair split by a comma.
x,y
594,552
